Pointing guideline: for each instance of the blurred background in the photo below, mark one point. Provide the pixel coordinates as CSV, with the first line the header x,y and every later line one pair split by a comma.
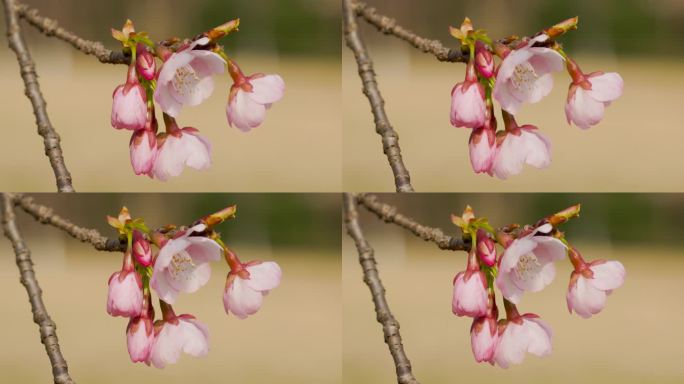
x,y
298,39
640,39
294,338
633,340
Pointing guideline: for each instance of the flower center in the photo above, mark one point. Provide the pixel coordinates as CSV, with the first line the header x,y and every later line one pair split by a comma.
x,y
527,267
185,80
181,266
524,77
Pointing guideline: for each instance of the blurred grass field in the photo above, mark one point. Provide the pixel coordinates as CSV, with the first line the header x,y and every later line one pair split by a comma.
x,y
635,148
636,339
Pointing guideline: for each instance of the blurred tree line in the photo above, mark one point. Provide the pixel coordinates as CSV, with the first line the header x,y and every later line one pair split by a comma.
x,y
624,27
298,27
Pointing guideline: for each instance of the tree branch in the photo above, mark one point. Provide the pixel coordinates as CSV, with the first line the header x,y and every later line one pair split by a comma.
x,y
389,26
45,215
390,138
47,327
27,69
390,326
390,214
50,27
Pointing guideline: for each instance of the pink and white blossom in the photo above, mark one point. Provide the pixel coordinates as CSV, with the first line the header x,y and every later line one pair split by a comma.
x,y
470,294
178,334
186,77
182,264
589,96
181,148
527,263
143,151
139,338
468,107
125,296
590,286
482,149
525,75
518,147
245,289
129,104
484,337
525,334
250,97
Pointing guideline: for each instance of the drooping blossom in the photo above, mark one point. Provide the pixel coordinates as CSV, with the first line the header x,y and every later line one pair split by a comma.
x,y
140,334
482,149
186,77
124,296
591,283
143,151
468,107
589,95
179,148
251,96
246,286
525,75
145,63
527,263
518,146
129,104
484,337
182,264
141,249
524,334
176,334
470,290
486,248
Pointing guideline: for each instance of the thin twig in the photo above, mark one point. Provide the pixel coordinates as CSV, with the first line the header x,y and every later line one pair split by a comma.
x,y
390,214
390,139
388,26
390,326
47,327
45,215
50,27
27,69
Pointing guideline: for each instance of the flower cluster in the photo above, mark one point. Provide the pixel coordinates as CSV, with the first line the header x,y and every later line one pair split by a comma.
x,y
525,265
172,261
524,74
184,78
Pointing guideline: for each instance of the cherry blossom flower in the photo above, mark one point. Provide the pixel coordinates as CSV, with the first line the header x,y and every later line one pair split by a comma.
x,y
518,146
526,333
486,248
140,334
589,95
125,297
527,263
251,96
468,108
470,290
484,337
143,151
129,105
591,284
525,75
141,249
482,149
180,148
247,285
176,334
183,264
186,77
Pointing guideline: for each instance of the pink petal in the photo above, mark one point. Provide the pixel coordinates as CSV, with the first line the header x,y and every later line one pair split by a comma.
x,y
243,301
264,276
585,111
518,248
508,289
606,87
608,276
195,337
539,337
267,89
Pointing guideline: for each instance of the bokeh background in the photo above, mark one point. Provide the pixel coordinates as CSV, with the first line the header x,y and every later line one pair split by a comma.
x,y
298,39
294,338
634,149
635,339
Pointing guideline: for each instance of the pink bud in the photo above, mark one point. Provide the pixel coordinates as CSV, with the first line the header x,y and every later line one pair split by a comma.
x,y
145,63
141,249
468,108
484,61
591,284
484,337
139,338
246,288
143,151
486,248
129,107
125,297
482,147
470,294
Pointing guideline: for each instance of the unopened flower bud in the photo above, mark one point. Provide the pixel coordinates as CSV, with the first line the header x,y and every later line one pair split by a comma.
x,y
141,249
145,63
486,249
484,61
